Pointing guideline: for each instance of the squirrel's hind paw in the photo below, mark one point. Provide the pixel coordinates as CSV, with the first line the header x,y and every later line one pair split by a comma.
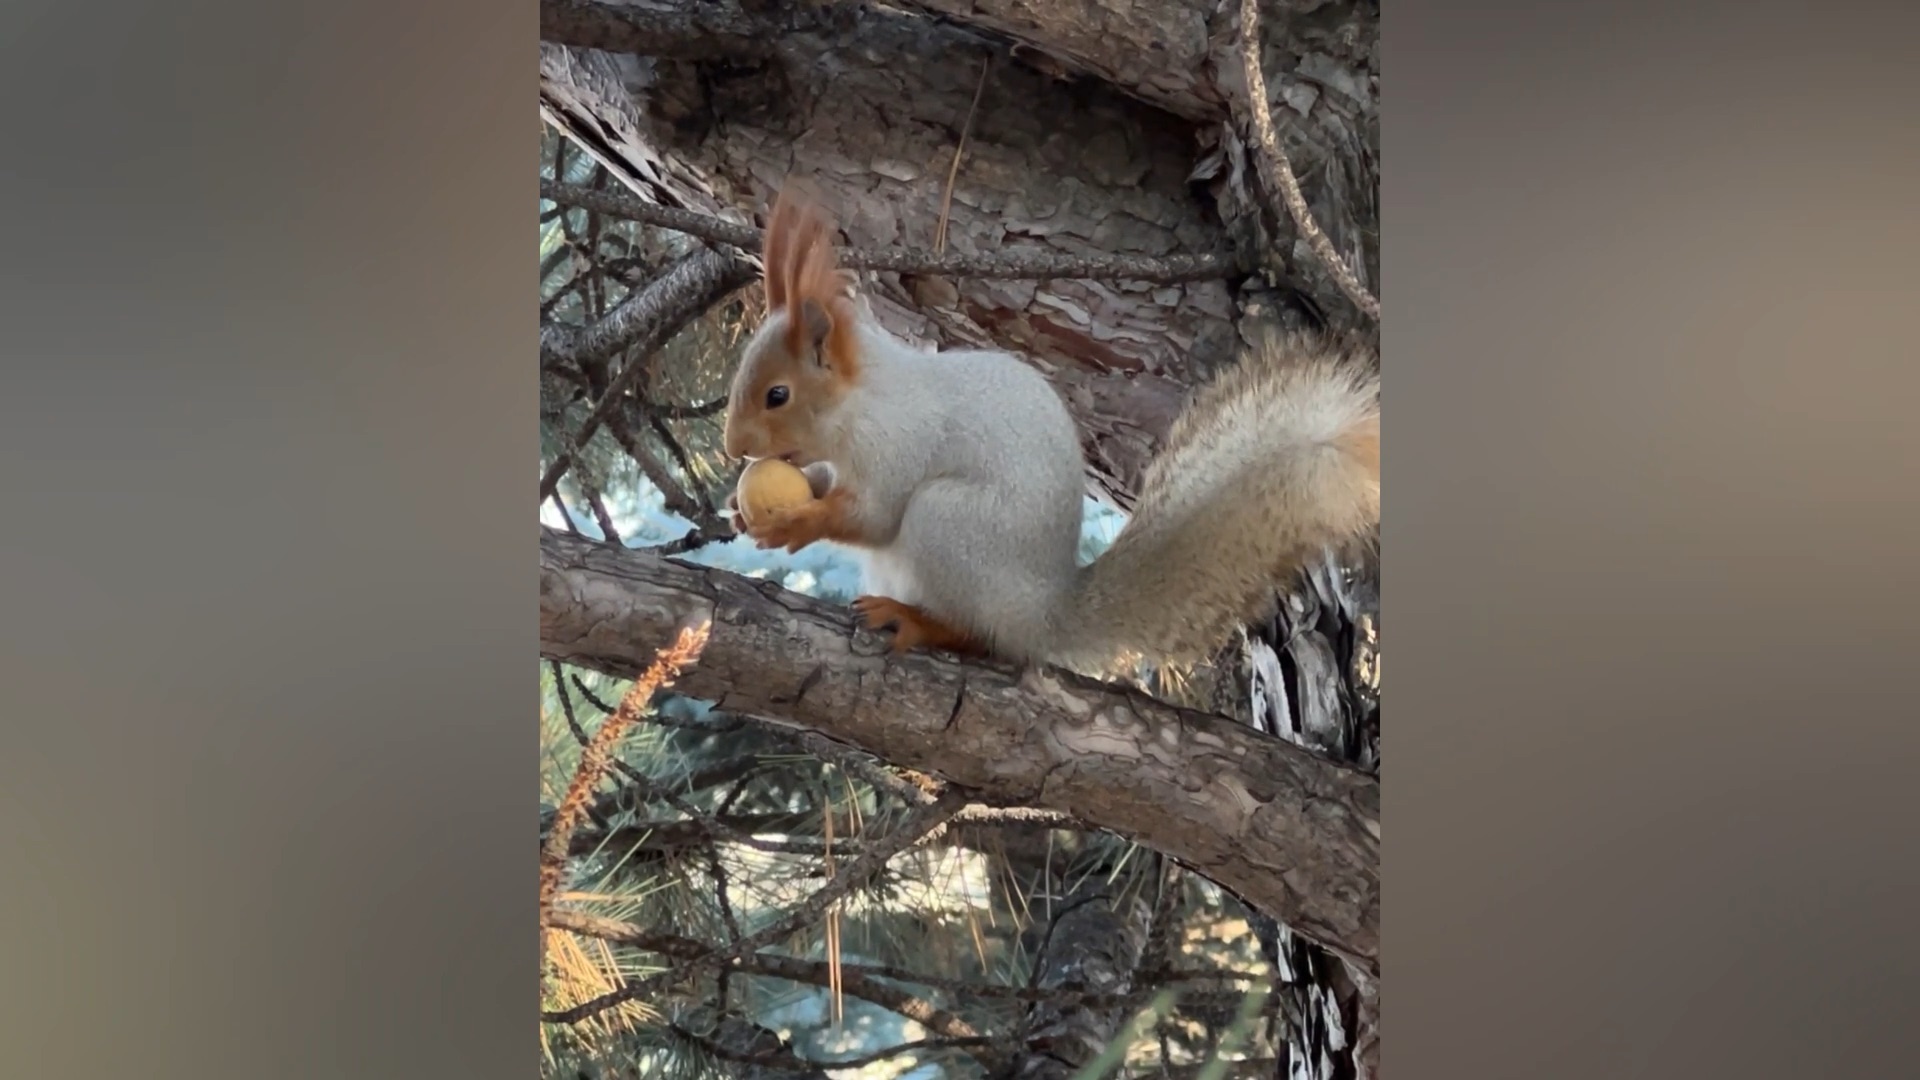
x,y
913,627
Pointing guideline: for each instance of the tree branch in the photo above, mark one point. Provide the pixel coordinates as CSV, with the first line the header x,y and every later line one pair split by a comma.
x,y
819,972
699,31
855,979
1004,265
651,314
672,495
1276,172
1291,833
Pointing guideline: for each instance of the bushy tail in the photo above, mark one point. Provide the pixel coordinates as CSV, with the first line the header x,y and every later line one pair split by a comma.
x,y
1269,466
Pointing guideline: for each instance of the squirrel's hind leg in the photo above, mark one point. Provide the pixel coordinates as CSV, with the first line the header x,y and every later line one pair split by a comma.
x,y
913,626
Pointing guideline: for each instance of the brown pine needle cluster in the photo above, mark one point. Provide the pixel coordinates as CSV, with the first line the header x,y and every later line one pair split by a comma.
x,y
597,756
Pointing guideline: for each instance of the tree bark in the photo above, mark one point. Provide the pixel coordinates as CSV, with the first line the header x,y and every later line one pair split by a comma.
x,y
1293,834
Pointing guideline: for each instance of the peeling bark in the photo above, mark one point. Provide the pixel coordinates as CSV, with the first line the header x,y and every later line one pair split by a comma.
x,y
1293,834
1314,681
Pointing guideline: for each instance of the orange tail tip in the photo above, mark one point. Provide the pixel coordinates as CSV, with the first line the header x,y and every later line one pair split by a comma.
x,y
803,279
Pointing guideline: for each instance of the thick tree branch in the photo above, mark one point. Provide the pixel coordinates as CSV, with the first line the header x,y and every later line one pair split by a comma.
x,y
1293,834
702,31
1001,265
651,314
1154,50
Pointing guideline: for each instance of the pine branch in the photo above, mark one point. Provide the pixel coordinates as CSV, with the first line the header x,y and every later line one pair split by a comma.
x,y
641,323
1006,265
918,823
866,977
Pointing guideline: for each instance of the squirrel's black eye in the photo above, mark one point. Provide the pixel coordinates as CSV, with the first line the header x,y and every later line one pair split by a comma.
x,y
776,397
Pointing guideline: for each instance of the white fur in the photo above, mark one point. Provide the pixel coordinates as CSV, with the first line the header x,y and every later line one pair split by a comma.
x,y
966,459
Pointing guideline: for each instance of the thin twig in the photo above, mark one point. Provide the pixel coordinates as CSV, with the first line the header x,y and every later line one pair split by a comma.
x,y
1277,172
566,705
692,540
793,969
814,972
792,1062
853,761
602,516
670,411
642,790
781,1060
566,518
715,724
672,494
633,775
680,458
1005,265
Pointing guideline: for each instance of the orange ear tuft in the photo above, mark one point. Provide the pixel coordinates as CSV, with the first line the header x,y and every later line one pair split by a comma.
x,y
800,267
777,251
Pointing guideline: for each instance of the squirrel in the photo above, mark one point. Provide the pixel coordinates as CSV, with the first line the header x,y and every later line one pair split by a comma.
x,y
959,476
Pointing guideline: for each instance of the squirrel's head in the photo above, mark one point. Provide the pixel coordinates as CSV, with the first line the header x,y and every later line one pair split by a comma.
x,y
780,393
804,357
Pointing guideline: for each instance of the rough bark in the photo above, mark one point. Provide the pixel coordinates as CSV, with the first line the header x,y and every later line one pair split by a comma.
x,y
1291,833
1175,56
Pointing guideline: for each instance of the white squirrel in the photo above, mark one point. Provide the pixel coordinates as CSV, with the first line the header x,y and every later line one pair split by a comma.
x,y
959,475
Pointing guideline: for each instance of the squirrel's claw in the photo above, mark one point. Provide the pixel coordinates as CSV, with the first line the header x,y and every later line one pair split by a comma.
x,y
736,520
880,614
913,627
781,530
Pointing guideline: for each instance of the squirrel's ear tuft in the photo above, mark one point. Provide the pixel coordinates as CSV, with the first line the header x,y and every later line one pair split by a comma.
x,y
818,322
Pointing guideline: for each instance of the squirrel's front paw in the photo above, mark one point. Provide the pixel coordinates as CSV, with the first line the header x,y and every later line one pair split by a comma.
x,y
736,520
781,529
